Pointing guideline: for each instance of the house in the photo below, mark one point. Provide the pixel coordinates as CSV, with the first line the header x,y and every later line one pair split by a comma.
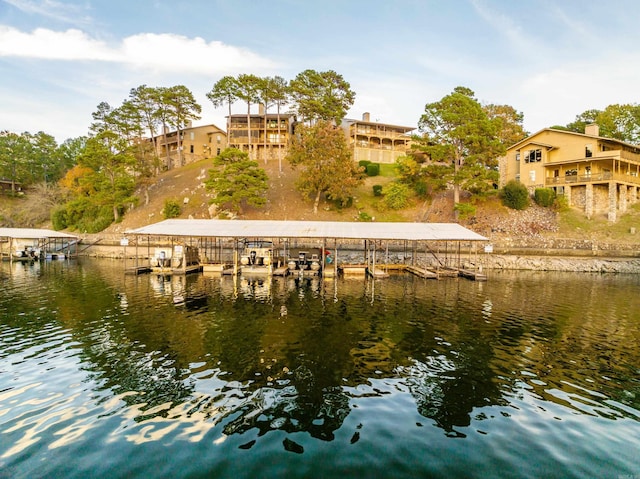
x,y
596,174
196,143
268,139
376,142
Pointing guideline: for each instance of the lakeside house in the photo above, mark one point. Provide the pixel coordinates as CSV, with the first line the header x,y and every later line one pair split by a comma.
x,y
368,140
261,132
597,174
376,142
196,143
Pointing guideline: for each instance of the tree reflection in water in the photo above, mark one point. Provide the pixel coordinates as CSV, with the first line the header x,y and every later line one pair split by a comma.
x,y
287,354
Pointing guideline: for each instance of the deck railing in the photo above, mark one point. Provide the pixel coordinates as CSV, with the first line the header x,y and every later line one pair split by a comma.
x,y
592,178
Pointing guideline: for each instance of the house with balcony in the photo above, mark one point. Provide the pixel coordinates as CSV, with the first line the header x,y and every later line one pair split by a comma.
x,y
597,174
264,136
196,143
376,142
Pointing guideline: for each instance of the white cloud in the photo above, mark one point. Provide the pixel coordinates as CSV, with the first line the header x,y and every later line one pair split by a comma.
x,y
50,45
176,52
160,52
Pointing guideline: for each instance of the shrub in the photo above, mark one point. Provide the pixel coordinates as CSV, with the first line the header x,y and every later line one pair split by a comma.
x,y
373,169
396,195
544,197
59,218
421,188
364,216
515,195
171,209
344,203
561,203
465,210
364,163
377,190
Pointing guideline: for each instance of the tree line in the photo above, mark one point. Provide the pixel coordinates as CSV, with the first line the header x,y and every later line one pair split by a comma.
x,y
458,144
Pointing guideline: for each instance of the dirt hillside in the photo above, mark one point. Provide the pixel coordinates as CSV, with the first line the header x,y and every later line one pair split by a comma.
x,y
285,203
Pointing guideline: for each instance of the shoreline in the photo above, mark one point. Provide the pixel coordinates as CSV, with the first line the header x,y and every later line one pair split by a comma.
x,y
504,257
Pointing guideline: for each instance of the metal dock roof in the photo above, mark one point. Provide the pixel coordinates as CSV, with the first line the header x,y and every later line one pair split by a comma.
x,y
308,229
33,233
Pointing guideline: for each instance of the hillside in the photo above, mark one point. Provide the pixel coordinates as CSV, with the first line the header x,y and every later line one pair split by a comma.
x,y
285,203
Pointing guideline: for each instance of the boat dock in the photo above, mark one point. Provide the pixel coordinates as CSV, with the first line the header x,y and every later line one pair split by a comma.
x,y
324,248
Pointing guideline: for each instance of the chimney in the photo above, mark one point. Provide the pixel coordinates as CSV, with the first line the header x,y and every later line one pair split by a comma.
x,y
366,116
592,129
260,108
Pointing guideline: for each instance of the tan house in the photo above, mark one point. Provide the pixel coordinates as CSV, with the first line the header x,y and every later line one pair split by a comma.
x,y
268,140
376,142
596,174
197,143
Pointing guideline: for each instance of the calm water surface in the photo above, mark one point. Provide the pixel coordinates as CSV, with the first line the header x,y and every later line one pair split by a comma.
x,y
527,375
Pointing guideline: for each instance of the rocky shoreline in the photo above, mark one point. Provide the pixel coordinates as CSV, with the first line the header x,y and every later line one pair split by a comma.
x,y
565,263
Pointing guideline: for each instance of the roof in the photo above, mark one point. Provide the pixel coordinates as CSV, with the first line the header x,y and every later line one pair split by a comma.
x,y
555,130
309,229
377,123
33,233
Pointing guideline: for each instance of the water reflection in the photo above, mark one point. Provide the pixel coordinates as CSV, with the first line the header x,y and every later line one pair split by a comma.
x,y
159,357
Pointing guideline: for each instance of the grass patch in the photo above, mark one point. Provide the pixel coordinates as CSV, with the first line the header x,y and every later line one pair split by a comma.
x,y
388,170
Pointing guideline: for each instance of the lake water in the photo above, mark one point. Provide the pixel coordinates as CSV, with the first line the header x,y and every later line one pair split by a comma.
x,y
526,375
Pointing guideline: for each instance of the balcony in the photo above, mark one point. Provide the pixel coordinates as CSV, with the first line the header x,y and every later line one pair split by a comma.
x,y
603,177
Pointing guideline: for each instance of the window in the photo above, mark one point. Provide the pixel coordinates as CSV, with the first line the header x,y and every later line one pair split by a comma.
x,y
518,156
191,149
274,138
532,156
192,136
588,152
532,176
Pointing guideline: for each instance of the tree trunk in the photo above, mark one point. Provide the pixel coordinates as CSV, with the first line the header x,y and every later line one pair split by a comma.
x,y
166,146
456,187
249,129
316,203
264,152
228,126
279,144
179,133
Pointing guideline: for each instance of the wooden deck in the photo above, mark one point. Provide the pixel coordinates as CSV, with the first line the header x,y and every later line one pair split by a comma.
x,y
473,275
422,272
354,269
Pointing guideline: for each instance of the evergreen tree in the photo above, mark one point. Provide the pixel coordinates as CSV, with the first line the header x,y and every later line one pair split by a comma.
x,y
237,180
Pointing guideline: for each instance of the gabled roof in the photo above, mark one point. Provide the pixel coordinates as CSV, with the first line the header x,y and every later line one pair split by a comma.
x,y
309,229
566,132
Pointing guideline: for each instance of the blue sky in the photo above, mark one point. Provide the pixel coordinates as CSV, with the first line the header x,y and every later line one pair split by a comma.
x,y
549,59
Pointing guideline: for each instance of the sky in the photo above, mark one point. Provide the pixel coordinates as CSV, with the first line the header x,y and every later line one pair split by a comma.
x,y
549,59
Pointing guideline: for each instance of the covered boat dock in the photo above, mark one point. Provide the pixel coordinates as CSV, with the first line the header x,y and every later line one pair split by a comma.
x,y
425,249
31,244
